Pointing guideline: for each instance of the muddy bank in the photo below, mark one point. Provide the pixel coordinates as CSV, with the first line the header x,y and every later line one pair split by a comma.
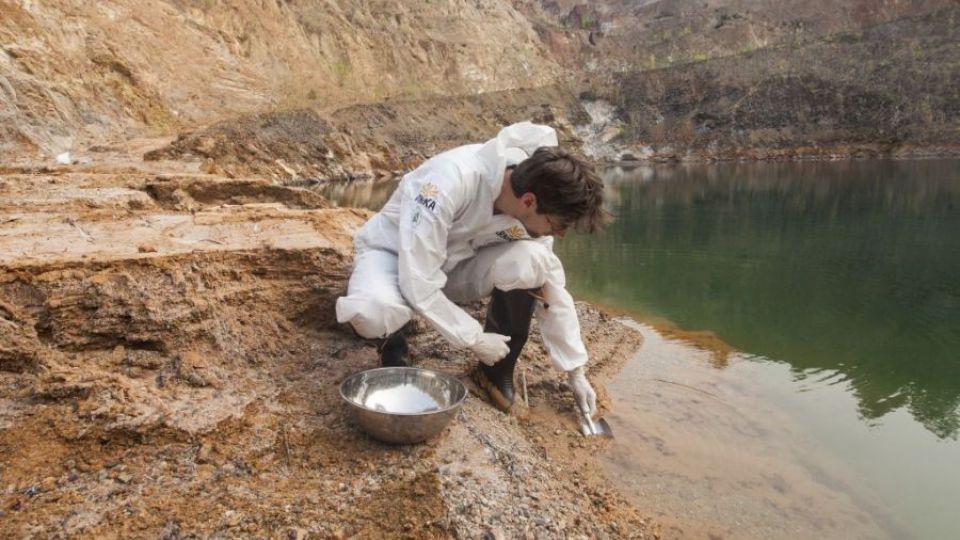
x,y
169,367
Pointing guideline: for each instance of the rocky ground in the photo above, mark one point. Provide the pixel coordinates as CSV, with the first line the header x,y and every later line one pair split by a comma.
x,y
169,368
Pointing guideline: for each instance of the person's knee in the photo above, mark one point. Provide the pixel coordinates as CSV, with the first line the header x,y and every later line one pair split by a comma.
x,y
368,328
371,318
526,266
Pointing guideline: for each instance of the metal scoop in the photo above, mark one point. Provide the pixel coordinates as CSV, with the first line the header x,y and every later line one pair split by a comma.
x,y
590,428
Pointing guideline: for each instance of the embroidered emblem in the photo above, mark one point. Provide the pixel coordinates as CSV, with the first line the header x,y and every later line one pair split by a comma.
x,y
515,232
428,196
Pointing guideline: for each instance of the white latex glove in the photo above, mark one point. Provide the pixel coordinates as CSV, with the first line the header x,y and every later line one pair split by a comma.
x,y
491,348
582,391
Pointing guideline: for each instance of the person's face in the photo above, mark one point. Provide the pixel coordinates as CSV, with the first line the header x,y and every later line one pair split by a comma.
x,y
538,225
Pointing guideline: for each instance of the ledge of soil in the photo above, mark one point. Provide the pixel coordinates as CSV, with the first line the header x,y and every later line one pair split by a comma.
x,y
183,381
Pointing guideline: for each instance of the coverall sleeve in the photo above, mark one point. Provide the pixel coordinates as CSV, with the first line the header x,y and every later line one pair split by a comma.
x,y
432,195
559,325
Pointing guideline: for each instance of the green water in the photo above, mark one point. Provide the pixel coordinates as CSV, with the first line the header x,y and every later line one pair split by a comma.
x,y
850,267
839,280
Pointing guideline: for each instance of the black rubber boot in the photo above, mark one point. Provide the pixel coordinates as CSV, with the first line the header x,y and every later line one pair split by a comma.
x,y
393,350
509,313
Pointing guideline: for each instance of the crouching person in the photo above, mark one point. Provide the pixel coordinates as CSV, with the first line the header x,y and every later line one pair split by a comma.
x,y
473,222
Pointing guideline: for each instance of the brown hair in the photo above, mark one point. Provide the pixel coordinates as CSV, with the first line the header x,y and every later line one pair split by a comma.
x,y
565,185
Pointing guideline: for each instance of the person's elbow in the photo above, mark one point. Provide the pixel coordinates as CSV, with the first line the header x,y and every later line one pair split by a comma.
x,y
415,289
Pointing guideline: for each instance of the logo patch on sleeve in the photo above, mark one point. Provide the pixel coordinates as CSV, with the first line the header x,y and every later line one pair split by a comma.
x,y
428,196
515,232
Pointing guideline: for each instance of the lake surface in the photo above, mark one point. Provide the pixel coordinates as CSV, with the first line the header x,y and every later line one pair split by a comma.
x,y
801,371
833,288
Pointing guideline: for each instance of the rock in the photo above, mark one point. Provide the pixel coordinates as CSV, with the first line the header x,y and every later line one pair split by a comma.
x,y
493,533
232,518
296,533
205,452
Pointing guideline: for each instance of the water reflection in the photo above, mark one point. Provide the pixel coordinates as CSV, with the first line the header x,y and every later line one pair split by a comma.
x,y
849,270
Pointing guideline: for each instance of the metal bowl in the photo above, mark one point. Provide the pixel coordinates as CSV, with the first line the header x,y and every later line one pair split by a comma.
x,y
403,405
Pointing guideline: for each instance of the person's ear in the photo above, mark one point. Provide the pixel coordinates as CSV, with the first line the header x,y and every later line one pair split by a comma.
x,y
529,201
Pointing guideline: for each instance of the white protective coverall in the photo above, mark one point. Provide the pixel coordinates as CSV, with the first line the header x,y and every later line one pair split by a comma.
x,y
437,241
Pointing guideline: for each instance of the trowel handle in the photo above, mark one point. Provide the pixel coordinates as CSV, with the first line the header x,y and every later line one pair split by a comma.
x,y
586,416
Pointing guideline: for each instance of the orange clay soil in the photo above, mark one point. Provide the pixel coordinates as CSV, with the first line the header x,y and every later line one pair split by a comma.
x,y
170,364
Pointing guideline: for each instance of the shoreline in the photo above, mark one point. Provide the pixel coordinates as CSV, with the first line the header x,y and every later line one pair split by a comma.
x,y
640,155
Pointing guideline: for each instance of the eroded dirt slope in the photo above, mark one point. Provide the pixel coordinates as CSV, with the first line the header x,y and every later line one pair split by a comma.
x,y
169,367
366,141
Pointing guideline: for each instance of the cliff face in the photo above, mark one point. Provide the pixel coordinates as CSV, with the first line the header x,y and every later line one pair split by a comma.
x,y
640,35
74,72
678,78
726,79
891,88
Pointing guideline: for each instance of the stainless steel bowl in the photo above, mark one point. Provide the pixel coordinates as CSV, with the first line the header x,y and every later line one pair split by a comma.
x,y
403,405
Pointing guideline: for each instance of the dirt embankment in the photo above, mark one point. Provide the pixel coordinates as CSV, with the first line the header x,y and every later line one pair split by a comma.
x,y
367,141
169,367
